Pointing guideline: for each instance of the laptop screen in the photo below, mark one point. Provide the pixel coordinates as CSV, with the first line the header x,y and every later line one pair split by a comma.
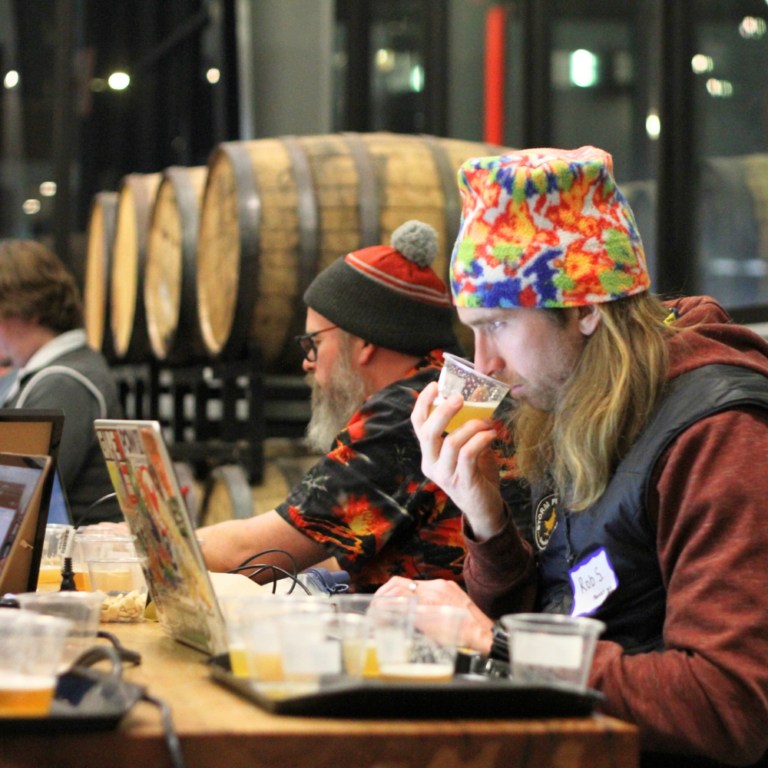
x,y
58,509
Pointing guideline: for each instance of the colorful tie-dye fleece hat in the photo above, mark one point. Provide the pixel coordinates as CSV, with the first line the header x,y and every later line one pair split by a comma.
x,y
545,228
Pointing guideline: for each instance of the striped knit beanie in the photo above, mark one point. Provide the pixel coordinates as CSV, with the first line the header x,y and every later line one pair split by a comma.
x,y
388,294
545,228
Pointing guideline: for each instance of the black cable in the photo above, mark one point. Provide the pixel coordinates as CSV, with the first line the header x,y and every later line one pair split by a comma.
x,y
258,568
171,737
270,552
95,504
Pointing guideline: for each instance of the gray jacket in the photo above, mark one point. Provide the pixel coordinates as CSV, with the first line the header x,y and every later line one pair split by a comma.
x,y
81,384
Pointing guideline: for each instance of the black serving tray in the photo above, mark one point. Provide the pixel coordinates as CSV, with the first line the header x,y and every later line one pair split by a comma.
x,y
85,700
466,697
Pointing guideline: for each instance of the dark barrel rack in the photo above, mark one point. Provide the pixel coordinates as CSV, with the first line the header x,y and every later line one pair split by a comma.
x,y
216,413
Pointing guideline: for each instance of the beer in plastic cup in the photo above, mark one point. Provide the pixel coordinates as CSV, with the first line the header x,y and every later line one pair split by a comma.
x,y
481,393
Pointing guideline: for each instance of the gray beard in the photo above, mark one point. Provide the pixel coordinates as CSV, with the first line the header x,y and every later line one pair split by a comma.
x,y
333,407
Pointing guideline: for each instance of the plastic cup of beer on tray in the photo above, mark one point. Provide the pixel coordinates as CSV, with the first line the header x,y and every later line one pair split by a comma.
x,y
352,637
253,632
481,394
51,561
93,544
31,647
429,654
547,648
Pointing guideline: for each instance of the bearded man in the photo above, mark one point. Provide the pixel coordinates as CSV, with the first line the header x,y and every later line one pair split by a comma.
x,y
639,429
378,321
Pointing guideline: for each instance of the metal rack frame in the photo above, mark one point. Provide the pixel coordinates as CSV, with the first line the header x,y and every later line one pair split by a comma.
x,y
216,413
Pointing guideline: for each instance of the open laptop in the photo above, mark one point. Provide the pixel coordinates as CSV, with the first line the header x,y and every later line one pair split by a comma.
x,y
22,481
150,499
37,432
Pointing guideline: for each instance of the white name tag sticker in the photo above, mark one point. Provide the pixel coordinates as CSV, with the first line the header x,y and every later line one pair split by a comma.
x,y
592,580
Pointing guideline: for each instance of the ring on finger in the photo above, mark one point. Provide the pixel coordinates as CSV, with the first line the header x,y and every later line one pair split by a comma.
x,y
412,586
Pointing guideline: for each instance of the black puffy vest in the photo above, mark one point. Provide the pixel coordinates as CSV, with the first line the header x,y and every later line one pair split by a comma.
x,y
634,612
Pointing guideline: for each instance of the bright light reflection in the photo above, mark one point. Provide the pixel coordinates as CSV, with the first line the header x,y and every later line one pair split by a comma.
x,y
48,188
719,88
385,60
213,75
417,79
583,68
653,126
30,206
752,27
11,79
119,81
701,63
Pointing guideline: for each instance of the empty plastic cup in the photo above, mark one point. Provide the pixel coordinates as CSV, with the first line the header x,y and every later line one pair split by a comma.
x,y
547,648
81,608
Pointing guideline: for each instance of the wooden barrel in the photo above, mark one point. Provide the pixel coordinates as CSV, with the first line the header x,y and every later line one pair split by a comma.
x,y
101,234
170,285
229,497
277,211
733,229
127,313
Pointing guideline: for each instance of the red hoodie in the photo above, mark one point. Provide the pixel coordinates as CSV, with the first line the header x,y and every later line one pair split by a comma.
x,y
707,692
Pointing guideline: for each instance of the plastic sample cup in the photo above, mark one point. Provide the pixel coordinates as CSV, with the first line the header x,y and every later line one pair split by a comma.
x,y
354,630
51,561
431,654
123,588
253,632
93,544
361,604
82,609
392,633
31,646
310,643
481,393
547,648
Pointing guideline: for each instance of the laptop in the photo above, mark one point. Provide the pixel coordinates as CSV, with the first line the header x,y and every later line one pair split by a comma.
x,y
150,499
22,483
37,432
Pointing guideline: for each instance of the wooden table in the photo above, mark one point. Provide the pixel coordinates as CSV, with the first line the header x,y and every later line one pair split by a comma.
x,y
217,728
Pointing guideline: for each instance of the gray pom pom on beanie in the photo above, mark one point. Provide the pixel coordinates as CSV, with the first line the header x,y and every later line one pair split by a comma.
x,y
388,294
417,241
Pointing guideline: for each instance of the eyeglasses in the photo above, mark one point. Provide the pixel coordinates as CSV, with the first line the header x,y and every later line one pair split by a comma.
x,y
307,343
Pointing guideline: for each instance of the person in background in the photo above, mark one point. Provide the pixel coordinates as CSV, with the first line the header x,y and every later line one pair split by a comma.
x,y
641,429
378,321
41,334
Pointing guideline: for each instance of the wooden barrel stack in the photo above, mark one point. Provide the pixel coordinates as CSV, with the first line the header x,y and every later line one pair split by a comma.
x,y
277,211
208,260
127,313
170,285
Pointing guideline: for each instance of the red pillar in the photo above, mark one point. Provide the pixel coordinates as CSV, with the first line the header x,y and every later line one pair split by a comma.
x,y
495,49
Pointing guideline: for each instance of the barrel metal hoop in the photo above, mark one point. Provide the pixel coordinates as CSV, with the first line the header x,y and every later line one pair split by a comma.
x,y
452,199
367,191
309,251
249,218
186,335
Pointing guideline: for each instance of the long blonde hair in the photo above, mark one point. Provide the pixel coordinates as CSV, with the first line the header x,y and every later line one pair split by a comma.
x,y
605,403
